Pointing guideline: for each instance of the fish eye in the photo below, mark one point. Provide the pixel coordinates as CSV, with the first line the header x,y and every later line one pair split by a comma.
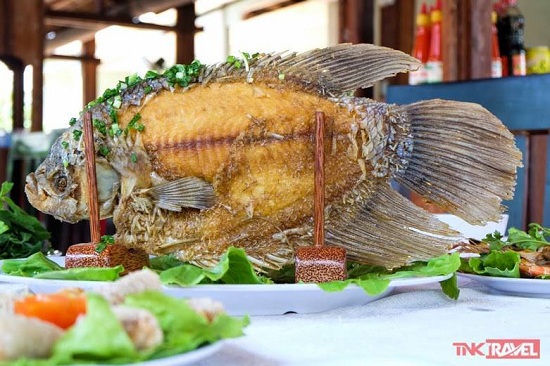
x,y
61,183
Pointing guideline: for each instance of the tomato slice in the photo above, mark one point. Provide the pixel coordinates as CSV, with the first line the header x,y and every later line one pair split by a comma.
x,y
60,308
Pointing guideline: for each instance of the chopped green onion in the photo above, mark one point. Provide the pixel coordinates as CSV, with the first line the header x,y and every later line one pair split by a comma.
x,y
104,150
65,144
77,134
104,242
147,89
72,121
133,158
100,126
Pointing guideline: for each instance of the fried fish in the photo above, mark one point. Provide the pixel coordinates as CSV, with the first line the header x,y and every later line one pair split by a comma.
x,y
203,157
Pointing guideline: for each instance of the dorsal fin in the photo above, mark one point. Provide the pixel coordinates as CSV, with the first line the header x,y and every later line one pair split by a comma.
x,y
332,70
185,192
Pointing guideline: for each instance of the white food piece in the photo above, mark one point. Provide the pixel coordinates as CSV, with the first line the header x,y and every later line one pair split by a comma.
x,y
133,283
22,336
142,327
207,307
9,293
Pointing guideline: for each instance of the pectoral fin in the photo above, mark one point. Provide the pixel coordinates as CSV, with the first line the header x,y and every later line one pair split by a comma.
x,y
188,192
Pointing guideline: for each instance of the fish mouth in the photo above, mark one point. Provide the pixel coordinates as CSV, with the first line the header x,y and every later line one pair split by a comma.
x,y
42,201
34,193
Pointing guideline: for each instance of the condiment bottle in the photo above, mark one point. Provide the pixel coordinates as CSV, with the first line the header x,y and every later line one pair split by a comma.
x,y
434,66
421,46
510,27
496,61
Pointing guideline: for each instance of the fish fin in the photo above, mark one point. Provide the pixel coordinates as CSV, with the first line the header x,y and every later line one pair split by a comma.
x,y
185,192
463,159
387,229
332,70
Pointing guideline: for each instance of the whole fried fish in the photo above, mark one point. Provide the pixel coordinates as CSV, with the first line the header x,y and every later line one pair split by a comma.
x,y
201,158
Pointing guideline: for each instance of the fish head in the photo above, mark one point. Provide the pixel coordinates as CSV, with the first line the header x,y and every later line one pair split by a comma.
x,y
59,186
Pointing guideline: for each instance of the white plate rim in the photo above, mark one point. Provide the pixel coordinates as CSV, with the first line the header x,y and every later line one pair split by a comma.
x,y
184,358
512,285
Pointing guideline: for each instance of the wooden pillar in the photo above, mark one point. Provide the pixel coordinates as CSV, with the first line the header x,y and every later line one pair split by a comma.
x,y
397,30
356,21
185,34
466,39
22,39
89,72
356,25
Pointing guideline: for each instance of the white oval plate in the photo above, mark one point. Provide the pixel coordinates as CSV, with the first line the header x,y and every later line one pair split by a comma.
x,y
273,299
529,287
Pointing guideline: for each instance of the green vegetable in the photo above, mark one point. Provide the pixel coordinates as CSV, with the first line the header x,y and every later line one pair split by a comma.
x,y
77,134
503,260
31,266
233,268
84,274
104,242
533,239
20,233
39,266
496,263
375,282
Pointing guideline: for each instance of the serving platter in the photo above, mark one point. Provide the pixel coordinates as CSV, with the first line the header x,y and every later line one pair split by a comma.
x,y
528,287
273,299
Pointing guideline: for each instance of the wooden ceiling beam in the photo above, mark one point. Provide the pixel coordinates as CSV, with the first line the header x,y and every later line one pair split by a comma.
x,y
95,21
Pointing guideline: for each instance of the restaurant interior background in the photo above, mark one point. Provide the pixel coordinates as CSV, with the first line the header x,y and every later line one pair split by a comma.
x,y
81,58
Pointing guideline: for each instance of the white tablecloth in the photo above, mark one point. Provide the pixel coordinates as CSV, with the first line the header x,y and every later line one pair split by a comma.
x,y
413,326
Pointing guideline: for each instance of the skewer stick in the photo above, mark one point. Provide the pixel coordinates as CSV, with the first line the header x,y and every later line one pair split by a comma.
x,y
93,205
319,177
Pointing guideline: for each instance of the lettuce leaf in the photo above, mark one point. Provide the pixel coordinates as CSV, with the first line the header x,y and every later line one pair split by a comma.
x,y
98,336
29,267
39,266
375,282
496,263
84,274
233,268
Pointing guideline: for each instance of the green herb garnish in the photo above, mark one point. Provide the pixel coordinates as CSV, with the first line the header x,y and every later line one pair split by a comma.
x,y
104,150
65,144
133,157
72,121
104,242
100,126
77,134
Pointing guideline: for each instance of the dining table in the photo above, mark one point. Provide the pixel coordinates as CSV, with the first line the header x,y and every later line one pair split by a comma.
x,y
415,325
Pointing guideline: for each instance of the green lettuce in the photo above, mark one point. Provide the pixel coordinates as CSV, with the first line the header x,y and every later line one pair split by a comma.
x,y
39,266
496,263
233,268
375,282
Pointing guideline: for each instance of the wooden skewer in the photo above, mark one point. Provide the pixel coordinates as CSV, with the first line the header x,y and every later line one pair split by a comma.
x,y
319,263
319,178
93,204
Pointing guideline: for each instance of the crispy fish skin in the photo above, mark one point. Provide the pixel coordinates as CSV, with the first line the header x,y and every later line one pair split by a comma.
x,y
226,159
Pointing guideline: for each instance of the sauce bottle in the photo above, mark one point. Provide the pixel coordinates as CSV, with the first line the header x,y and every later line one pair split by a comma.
x,y
421,46
510,27
434,66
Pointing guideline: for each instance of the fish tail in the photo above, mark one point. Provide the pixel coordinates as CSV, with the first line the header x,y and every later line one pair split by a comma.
x,y
462,159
